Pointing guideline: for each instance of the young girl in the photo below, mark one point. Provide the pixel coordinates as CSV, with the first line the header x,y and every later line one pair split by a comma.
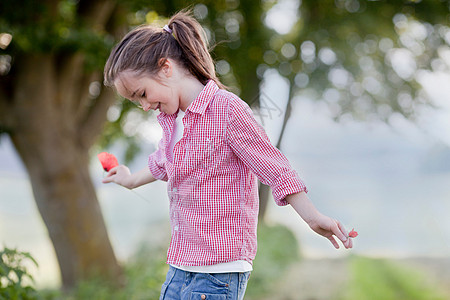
x,y
211,154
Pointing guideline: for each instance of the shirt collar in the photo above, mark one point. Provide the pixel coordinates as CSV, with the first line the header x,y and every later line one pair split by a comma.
x,y
200,103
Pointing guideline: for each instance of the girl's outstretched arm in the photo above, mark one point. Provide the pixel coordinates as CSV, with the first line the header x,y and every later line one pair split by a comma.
x,y
318,222
122,176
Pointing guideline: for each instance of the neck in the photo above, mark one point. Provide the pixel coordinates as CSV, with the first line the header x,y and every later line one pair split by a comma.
x,y
190,88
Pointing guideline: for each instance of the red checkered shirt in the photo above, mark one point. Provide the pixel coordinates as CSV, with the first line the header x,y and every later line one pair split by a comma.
x,y
212,179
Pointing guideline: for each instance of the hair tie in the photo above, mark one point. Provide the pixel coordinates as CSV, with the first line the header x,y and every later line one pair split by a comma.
x,y
166,28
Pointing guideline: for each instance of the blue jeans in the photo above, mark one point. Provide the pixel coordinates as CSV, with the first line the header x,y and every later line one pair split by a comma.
x,y
182,285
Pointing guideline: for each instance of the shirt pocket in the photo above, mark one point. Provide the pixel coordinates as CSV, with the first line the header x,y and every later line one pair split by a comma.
x,y
205,152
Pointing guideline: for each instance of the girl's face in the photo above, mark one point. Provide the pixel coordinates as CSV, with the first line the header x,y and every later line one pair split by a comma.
x,y
148,93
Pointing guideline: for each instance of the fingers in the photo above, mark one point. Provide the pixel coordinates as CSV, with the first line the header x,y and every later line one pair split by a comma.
x,y
348,244
333,241
110,175
342,229
331,228
341,233
107,180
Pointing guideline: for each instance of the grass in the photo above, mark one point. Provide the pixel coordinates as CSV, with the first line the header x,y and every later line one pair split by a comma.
x,y
375,279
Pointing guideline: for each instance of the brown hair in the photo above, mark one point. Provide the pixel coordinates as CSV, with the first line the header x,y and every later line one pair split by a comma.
x,y
145,49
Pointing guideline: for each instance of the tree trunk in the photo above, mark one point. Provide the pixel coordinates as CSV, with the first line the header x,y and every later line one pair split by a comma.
x,y
56,157
67,202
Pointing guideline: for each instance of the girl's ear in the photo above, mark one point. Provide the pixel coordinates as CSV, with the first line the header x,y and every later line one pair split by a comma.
x,y
166,67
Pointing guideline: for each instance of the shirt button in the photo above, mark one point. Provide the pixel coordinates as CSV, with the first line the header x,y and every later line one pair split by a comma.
x,y
203,297
174,190
176,228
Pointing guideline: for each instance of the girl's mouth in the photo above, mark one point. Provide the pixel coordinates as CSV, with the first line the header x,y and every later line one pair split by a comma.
x,y
158,107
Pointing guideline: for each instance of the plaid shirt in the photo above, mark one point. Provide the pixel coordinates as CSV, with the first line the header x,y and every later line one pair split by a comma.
x,y
212,179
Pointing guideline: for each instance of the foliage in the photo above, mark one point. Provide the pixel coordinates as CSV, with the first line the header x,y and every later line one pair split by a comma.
x,y
40,28
14,275
363,58
277,249
384,279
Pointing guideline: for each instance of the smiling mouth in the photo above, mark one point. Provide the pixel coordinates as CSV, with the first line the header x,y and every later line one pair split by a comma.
x,y
157,106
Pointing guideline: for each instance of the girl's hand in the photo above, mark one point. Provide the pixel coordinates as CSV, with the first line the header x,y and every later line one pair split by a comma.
x,y
330,228
120,175
318,222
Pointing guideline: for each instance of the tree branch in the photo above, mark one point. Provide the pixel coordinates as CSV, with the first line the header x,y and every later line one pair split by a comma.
x,y
287,114
71,73
84,98
96,118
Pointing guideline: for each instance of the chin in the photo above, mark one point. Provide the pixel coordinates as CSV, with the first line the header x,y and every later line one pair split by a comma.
x,y
171,111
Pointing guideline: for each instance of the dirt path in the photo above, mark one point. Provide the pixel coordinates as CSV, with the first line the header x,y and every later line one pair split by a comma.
x,y
302,280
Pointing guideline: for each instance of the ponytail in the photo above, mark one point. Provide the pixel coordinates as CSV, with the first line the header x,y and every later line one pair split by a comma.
x,y
145,49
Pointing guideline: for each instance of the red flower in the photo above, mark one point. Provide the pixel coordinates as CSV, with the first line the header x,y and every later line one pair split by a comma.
x,y
107,160
353,233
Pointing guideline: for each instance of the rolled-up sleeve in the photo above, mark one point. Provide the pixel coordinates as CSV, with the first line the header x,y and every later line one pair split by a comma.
x,y
156,163
251,144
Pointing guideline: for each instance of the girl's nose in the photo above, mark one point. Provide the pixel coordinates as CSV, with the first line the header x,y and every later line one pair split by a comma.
x,y
144,106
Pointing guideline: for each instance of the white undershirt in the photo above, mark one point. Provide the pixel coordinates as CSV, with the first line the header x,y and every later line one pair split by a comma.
x,y
177,133
239,266
228,267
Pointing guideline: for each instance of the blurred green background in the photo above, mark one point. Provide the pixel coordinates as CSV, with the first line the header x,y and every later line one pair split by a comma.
x,y
355,93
